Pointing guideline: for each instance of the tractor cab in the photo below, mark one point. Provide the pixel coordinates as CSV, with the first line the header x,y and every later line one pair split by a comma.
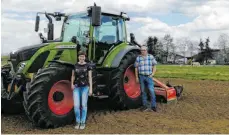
x,y
98,39
93,31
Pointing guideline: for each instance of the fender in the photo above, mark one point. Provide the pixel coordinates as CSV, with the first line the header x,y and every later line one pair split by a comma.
x,y
62,63
122,53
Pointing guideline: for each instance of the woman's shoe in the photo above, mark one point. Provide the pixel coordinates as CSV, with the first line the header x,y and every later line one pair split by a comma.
x,y
77,126
154,109
82,126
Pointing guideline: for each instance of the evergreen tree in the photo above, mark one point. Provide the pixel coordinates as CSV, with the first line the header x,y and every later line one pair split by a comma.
x,y
208,51
201,45
200,57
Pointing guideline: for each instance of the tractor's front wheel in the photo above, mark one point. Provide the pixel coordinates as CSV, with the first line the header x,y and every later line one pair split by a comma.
x,y
125,92
48,100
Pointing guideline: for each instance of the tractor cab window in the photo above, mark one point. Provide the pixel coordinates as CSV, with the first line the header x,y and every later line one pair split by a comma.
x,y
76,25
110,31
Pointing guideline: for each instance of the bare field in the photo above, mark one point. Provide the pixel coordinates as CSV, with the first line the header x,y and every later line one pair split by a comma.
x,y
204,108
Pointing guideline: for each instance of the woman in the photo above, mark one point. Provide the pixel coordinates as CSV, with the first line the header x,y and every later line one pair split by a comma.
x,y
82,85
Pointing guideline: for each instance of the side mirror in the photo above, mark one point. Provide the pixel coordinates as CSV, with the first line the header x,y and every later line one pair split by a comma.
x,y
37,23
96,15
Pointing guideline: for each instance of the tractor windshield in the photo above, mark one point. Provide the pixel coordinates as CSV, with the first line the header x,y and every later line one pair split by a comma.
x,y
111,30
76,25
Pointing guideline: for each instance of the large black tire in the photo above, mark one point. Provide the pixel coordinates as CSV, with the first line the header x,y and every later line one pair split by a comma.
x,y
36,97
14,105
118,94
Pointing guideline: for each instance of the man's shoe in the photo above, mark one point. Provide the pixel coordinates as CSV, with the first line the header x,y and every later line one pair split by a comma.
x,y
143,108
77,126
82,126
154,109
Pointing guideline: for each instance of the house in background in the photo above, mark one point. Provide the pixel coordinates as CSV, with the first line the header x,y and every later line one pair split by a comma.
x,y
179,58
217,58
174,58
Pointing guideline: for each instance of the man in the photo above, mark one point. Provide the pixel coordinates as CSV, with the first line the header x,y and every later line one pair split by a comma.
x,y
144,70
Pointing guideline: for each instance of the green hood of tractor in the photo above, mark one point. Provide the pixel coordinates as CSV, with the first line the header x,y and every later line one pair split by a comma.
x,y
28,52
24,54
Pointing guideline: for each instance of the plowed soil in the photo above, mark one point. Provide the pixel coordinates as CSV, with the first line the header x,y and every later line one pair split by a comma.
x,y
204,108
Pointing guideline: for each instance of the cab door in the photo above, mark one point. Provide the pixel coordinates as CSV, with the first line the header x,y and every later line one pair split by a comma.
x,y
106,37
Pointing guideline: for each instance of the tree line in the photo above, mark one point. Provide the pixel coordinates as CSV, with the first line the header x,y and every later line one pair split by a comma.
x,y
169,50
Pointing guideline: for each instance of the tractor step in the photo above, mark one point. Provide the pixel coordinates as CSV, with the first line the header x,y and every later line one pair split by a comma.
x,y
100,96
100,75
101,86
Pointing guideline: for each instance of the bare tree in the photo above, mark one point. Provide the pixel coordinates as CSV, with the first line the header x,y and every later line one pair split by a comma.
x,y
160,52
174,51
192,49
223,44
167,43
183,44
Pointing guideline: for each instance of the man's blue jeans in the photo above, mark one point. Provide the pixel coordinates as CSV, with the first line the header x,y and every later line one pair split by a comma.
x,y
80,96
150,85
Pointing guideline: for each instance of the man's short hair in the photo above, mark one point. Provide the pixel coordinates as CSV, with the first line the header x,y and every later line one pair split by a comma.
x,y
144,47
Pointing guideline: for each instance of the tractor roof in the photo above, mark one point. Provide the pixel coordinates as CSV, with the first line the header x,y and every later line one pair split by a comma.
x,y
116,14
121,14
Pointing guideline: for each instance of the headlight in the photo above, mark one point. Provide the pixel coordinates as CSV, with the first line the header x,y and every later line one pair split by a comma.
x,y
21,66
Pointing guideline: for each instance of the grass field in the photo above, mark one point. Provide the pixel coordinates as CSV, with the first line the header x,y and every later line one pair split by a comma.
x,y
196,73
186,72
4,60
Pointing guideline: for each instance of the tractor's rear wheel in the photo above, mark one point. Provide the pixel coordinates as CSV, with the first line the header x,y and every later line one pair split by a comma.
x,y
48,101
125,92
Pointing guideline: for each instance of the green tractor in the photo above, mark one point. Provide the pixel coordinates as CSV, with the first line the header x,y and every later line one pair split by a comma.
x,y
37,80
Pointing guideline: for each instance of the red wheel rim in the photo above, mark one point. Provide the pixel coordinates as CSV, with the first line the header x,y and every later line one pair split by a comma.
x,y
63,103
131,88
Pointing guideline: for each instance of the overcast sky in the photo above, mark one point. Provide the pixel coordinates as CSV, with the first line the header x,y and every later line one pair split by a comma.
x,y
180,18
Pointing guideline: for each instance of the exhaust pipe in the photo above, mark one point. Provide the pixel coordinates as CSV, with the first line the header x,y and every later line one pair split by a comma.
x,y
50,27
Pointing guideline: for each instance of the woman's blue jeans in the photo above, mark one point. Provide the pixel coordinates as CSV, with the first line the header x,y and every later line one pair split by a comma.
x,y
80,97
